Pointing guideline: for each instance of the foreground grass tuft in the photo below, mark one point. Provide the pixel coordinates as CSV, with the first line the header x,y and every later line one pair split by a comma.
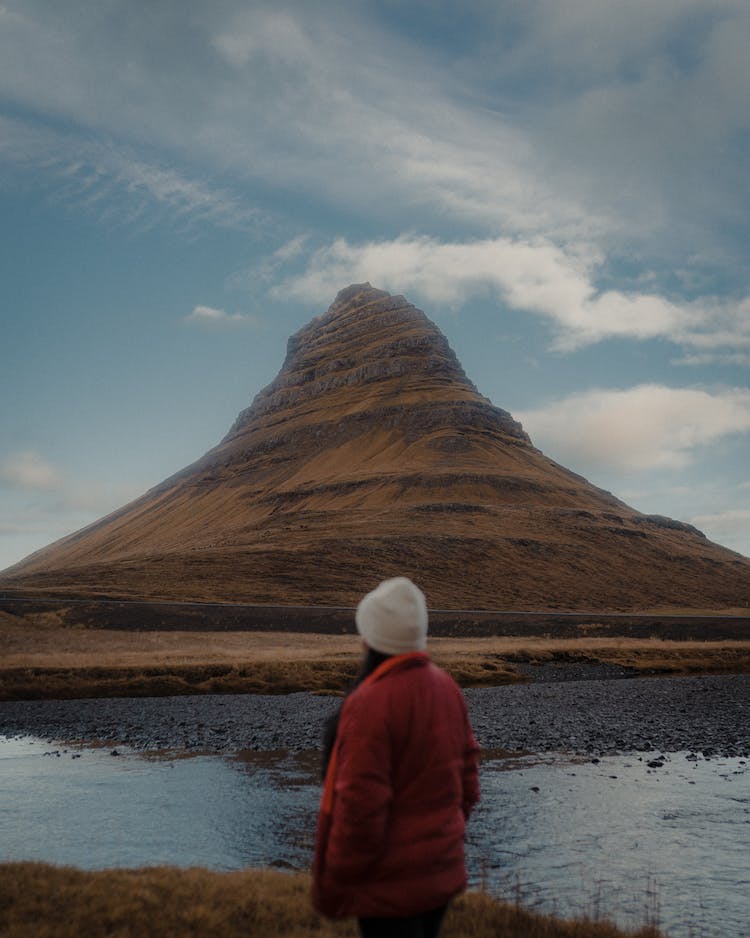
x,y
42,901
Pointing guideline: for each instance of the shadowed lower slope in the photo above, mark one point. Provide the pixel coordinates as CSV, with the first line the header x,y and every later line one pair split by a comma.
x,y
372,454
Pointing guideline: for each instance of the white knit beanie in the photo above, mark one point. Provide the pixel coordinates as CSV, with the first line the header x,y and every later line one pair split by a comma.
x,y
392,619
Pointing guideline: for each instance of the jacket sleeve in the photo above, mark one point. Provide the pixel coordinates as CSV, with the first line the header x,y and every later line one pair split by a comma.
x,y
362,794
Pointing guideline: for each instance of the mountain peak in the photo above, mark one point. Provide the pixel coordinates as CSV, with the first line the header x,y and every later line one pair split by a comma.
x,y
368,351
361,292
371,454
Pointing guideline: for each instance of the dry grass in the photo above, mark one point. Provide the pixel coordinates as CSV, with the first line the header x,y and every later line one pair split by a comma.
x,y
282,677
651,656
42,901
43,659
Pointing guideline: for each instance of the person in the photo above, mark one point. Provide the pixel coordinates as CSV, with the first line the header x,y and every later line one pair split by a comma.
x,y
401,778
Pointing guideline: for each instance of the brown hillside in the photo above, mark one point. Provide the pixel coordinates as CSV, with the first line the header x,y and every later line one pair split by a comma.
x,y
372,454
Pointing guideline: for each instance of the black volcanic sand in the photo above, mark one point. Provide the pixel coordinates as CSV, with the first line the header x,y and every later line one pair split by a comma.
x,y
708,715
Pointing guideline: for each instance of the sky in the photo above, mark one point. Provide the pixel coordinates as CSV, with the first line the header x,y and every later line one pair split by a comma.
x,y
563,186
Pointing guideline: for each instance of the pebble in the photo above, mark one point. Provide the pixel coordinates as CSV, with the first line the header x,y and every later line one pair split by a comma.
x,y
704,715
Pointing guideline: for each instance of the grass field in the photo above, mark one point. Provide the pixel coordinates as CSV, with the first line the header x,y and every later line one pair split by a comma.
x,y
42,901
41,658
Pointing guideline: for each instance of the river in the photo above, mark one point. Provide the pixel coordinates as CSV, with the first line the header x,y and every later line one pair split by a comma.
x,y
618,836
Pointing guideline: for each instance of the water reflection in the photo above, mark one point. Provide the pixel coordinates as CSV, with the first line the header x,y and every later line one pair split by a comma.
x,y
616,837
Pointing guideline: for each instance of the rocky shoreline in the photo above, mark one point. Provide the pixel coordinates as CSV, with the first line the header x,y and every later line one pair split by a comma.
x,y
709,715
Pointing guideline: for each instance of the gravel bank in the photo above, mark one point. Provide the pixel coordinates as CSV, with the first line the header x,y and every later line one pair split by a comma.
x,y
704,714
710,715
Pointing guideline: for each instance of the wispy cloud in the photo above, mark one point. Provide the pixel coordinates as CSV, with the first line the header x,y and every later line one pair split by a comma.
x,y
27,470
714,358
119,186
38,504
12,529
208,316
193,199
592,124
327,113
92,499
641,428
268,269
635,102
730,527
265,35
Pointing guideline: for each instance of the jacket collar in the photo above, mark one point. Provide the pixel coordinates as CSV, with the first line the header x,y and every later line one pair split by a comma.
x,y
397,663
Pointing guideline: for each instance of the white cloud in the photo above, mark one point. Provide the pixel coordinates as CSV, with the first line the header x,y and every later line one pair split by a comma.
x,y
640,428
208,316
714,358
27,470
532,275
721,335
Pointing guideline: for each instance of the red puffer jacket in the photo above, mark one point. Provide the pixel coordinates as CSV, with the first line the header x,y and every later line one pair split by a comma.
x,y
400,785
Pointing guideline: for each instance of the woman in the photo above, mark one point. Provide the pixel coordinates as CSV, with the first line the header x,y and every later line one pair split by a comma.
x,y
401,780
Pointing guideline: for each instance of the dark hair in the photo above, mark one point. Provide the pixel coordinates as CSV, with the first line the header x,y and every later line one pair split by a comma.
x,y
372,660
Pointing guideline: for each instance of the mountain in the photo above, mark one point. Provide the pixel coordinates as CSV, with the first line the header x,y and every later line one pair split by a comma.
x,y
372,454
